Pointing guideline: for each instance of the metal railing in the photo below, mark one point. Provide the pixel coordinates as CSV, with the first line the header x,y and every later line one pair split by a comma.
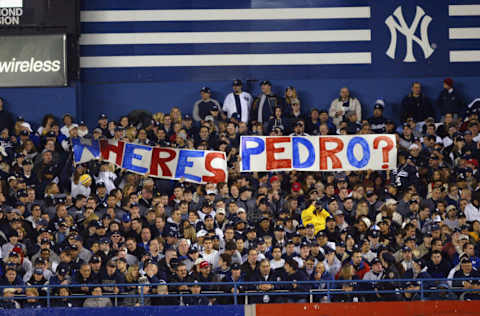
x,y
302,291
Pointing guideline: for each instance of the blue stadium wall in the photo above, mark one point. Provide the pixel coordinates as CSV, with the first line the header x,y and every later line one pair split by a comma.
x,y
132,72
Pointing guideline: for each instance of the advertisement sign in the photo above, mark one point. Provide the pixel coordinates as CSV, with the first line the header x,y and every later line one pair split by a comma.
x,y
33,61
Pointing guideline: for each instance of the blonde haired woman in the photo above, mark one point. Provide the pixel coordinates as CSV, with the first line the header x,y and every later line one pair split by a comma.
x,y
290,95
176,115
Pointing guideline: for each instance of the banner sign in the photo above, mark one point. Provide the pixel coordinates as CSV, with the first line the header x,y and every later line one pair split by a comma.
x,y
33,61
318,153
199,166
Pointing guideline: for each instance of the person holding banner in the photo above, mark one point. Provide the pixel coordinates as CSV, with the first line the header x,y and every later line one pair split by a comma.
x,y
315,214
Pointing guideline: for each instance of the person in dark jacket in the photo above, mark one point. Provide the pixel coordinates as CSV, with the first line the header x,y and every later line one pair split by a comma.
x,y
63,301
449,100
235,276
162,297
417,105
32,300
378,121
293,274
8,301
438,267
83,277
196,289
467,272
6,119
265,274
112,276
11,278
263,107
250,266
202,107
391,273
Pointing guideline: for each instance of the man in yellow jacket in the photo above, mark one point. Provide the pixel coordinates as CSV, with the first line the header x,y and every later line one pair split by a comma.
x,y
316,215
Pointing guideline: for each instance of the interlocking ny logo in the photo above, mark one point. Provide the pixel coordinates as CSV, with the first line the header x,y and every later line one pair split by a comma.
x,y
409,33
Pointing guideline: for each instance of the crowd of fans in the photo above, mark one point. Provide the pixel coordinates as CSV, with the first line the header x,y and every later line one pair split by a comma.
x,y
94,223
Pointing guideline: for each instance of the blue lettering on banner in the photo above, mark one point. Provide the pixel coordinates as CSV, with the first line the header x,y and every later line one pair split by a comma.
x,y
183,163
79,146
296,163
351,156
247,152
129,155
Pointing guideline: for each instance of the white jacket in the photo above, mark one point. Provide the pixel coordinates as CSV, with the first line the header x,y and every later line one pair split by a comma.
x,y
472,213
337,105
230,107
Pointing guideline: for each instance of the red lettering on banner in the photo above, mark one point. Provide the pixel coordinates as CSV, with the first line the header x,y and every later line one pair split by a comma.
x,y
219,174
106,148
162,162
385,150
330,153
273,163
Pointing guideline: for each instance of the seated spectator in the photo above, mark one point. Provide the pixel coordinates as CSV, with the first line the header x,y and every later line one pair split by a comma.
x,y
162,297
142,289
32,300
466,272
195,299
347,272
97,300
8,301
62,301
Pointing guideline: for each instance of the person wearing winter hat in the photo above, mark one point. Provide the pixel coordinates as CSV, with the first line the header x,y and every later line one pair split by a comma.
x,y
378,121
449,100
82,186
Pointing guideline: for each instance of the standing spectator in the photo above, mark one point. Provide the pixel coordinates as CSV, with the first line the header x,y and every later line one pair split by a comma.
x,y
293,274
416,105
449,100
360,266
373,275
343,104
290,94
68,125
263,107
238,102
202,107
378,121
315,214
6,119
